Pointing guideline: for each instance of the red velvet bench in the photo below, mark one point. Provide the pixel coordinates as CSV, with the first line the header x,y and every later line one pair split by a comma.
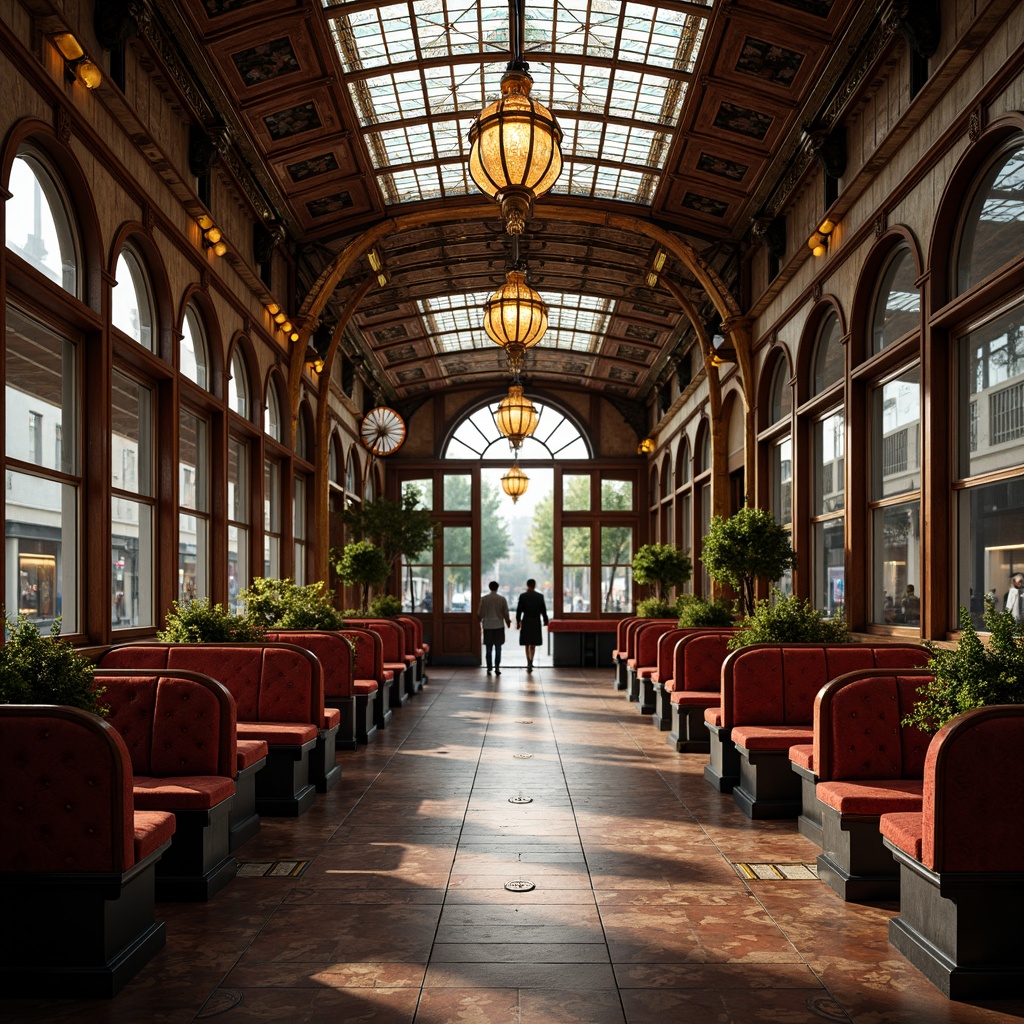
x,y
801,760
77,861
648,653
693,682
961,858
767,704
279,694
414,643
867,764
372,678
643,648
572,642
619,654
396,661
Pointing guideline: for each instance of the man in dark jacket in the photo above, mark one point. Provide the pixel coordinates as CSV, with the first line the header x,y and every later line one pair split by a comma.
x,y
530,612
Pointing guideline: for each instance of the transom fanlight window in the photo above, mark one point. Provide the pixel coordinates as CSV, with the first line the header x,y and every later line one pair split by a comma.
x,y
193,359
556,437
39,228
828,355
132,304
898,309
992,232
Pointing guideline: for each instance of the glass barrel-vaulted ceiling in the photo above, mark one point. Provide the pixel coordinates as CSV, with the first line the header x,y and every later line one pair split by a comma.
x,y
615,75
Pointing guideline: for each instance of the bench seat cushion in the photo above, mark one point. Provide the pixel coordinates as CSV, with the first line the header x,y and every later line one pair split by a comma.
x,y
394,667
366,686
771,737
183,793
249,752
905,830
646,671
878,796
278,734
332,718
713,716
694,698
802,755
152,830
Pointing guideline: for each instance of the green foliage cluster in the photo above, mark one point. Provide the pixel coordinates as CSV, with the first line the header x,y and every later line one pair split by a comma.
x,y
655,608
973,675
199,622
361,564
385,606
282,604
662,566
695,612
744,548
36,669
789,620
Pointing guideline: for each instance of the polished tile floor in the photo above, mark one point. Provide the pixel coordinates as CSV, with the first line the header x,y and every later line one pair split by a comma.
x,y
638,913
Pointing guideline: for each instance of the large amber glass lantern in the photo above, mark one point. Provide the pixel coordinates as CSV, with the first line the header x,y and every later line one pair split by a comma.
x,y
515,317
516,417
515,150
514,483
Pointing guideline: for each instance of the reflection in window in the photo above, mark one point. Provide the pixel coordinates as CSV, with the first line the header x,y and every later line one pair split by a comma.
x,y
992,230
828,355
299,529
132,305
897,565
193,358
478,437
898,307
272,416
421,490
39,228
576,492
238,522
193,506
271,519
782,481
576,568
781,401
829,463
616,495
456,549
617,568
830,574
896,435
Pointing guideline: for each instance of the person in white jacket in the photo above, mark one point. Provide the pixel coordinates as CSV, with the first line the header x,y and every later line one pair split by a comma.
x,y
1014,600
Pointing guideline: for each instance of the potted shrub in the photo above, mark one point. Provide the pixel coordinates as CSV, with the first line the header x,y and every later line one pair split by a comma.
x,y
36,669
199,622
385,606
789,620
360,564
282,604
661,567
655,608
695,612
973,674
744,548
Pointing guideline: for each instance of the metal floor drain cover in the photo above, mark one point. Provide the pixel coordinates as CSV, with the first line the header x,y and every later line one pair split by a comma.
x,y
520,799
272,868
777,872
520,885
523,757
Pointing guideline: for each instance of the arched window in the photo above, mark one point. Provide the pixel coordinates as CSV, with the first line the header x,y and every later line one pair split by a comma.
x,y
991,233
684,502
301,438
478,437
781,400
193,358
272,414
352,475
829,364
132,304
39,226
238,385
898,305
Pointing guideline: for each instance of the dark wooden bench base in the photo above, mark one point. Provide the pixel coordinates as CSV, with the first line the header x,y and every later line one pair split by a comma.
x,y
366,713
283,789
244,821
809,822
723,771
199,862
689,733
855,863
620,674
348,729
324,771
767,787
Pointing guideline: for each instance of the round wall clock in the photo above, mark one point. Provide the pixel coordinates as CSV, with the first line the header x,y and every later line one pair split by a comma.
x,y
382,430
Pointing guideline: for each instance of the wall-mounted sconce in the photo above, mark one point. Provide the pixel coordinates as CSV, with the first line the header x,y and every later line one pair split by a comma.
x,y
646,446
657,264
212,236
77,66
376,262
818,242
313,360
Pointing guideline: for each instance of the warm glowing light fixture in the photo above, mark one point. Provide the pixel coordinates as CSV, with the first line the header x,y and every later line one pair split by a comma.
x,y
657,265
646,446
515,153
212,236
818,242
516,416
77,65
376,262
514,483
515,316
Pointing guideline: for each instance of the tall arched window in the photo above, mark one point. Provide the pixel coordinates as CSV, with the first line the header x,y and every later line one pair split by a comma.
x,y
193,505
132,302
829,361
684,503
193,357
702,490
898,307
989,459
39,226
272,414
238,385
556,436
777,440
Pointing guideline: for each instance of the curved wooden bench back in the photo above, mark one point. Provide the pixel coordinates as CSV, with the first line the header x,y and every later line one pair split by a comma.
x,y
331,649
369,653
697,659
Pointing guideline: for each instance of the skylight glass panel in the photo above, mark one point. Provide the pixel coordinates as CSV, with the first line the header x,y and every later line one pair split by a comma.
x,y
455,179
409,185
455,323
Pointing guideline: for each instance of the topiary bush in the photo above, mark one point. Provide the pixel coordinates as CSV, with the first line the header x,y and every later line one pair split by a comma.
x,y
972,675
199,622
655,608
385,607
662,567
789,620
36,669
695,612
362,564
282,604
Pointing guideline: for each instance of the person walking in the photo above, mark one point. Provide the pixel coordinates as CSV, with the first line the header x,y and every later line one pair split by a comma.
x,y
1014,600
494,617
530,612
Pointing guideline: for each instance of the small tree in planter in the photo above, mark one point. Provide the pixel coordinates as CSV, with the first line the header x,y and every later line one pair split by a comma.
x,y
385,606
972,675
662,567
282,604
35,669
360,564
694,612
744,548
199,622
788,620
655,608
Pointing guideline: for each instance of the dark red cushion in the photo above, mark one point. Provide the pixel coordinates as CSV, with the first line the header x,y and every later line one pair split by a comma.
x,y
693,698
278,733
182,793
713,716
186,729
873,797
802,755
249,752
366,686
904,830
151,830
331,719
771,737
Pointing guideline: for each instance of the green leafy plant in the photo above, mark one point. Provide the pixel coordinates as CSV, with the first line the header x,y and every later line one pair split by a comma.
x,y
789,620
655,608
385,606
662,567
282,604
199,622
973,674
695,612
744,548
361,564
37,669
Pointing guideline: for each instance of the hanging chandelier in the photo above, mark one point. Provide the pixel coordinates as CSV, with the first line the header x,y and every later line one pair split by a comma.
x,y
516,417
515,153
514,483
515,316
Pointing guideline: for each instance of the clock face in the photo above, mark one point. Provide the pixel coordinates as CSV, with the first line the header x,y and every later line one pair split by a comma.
x,y
382,430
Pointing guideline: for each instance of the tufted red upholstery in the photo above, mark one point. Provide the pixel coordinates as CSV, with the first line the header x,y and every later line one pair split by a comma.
x,y
771,737
421,648
873,797
648,635
585,625
666,647
181,792
621,627
336,659
369,655
697,660
903,829
66,794
393,639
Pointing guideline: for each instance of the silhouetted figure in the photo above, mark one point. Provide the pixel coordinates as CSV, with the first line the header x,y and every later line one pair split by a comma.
x,y
530,612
